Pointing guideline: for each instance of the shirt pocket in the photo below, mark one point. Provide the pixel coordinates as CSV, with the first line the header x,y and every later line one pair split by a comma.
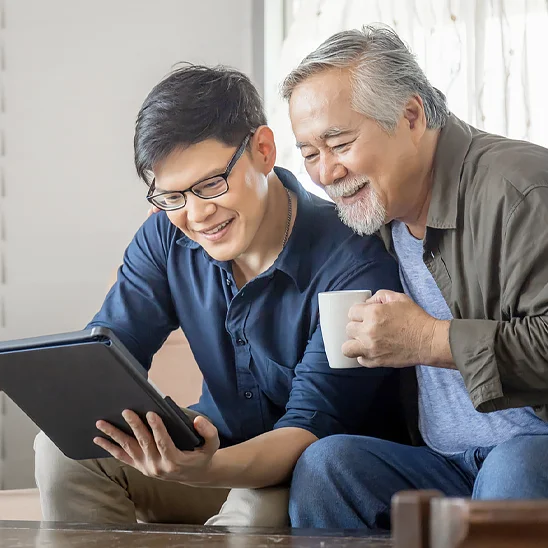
x,y
279,381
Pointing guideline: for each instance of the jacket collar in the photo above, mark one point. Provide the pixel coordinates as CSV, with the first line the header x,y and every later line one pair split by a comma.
x,y
453,145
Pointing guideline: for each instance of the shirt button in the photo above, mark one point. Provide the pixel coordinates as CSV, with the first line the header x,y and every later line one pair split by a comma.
x,y
240,342
228,282
248,395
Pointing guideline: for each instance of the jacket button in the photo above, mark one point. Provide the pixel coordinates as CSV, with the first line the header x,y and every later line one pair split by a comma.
x,y
240,342
228,282
248,395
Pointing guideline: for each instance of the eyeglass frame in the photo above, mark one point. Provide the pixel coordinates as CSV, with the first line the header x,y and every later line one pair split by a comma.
x,y
237,155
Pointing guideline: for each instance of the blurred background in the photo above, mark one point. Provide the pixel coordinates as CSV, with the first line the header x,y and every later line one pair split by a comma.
x,y
73,74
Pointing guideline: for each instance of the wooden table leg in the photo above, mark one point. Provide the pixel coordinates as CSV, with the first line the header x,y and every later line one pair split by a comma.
x,y
410,515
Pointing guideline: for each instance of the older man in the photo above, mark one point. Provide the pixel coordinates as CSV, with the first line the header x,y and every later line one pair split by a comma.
x,y
465,213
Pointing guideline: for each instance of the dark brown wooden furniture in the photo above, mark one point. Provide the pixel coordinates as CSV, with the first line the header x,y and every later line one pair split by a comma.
x,y
20,534
425,519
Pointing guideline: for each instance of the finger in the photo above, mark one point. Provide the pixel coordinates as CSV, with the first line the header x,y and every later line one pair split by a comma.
x,y
128,443
115,450
366,363
357,312
353,349
162,439
152,210
142,434
208,432
354,329
386,296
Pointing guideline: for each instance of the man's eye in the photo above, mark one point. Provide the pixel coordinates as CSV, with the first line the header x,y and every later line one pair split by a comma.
x,y
310,156
340,147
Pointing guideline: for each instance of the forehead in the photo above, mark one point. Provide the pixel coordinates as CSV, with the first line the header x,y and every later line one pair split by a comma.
x,y
320,103
187,165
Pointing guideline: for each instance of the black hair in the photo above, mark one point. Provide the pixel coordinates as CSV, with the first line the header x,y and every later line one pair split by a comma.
x,y
192,104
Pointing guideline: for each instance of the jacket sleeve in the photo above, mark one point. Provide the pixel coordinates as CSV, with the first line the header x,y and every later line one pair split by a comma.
x,y
505,363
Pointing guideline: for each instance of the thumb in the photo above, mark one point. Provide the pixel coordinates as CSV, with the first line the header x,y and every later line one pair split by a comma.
x,y
385,296
206,430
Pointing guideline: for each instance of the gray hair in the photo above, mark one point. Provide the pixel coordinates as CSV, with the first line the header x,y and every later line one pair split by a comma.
x,y
384,75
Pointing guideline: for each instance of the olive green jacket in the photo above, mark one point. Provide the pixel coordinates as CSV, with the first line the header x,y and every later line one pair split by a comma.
x,y
486,246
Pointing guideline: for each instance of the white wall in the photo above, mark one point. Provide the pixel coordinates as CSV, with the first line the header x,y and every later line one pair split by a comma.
x,y
75,75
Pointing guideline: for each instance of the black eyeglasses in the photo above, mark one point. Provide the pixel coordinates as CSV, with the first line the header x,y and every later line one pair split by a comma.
x,y
209,188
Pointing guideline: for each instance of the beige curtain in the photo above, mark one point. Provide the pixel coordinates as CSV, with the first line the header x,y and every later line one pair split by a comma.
x,y
488,56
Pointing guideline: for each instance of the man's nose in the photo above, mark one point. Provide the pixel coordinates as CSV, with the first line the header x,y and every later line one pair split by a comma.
x,y
196,210
331,169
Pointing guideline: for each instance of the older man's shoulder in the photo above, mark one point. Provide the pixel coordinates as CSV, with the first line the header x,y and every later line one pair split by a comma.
x,y
505,166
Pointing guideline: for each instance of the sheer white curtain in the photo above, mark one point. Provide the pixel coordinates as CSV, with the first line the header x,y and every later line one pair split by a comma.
x,y
488,56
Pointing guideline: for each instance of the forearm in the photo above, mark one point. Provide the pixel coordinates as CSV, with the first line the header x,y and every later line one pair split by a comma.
x,y
263,461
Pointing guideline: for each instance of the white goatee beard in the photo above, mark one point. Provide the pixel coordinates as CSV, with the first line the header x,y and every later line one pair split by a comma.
x,y
366,215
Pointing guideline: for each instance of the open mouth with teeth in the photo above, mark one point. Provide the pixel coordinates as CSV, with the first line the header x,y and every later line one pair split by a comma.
x,y
354,191
217,232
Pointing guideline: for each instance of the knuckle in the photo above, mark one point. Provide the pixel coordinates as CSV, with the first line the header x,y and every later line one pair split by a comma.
x,y
154,470
376,313
162,446
125,446
170,468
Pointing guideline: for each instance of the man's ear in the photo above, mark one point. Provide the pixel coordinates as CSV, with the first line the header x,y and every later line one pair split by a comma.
x,y
263,149
415,118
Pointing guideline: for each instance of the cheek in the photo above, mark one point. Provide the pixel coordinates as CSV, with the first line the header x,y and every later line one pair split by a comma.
x,y
177,218
313,172
362,163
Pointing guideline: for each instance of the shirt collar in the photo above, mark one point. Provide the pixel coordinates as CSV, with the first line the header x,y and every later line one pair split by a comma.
x,y
453,144
299,239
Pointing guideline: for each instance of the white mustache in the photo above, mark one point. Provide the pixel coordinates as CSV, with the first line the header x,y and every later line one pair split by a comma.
x,y
345,187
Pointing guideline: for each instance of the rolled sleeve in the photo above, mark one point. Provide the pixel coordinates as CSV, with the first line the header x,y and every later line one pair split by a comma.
x,y
472,345
328,401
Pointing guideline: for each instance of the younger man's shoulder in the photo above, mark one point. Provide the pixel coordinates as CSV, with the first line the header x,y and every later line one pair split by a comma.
x,y
157,234
330,241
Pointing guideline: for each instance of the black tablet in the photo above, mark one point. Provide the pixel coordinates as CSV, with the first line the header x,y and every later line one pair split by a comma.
x,y
66,383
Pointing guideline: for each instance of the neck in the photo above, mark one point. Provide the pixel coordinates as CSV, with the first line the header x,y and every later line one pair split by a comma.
x,y
417,215
268,242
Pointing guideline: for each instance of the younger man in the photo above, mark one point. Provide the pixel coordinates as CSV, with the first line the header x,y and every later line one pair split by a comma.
x,y
236,259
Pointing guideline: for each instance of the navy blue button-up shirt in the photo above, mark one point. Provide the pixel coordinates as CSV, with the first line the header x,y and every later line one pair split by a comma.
x,y
260,348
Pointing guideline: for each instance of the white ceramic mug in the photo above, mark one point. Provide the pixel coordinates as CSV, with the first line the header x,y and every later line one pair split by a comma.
x,y
334,308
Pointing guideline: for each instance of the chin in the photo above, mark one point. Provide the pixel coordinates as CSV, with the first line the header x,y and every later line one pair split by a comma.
x,y
221,253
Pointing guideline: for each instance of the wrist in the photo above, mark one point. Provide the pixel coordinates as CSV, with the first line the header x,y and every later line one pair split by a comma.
x,y
435,349
426,338
204,476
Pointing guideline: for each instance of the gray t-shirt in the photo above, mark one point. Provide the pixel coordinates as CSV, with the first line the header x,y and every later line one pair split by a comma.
x,y
448,421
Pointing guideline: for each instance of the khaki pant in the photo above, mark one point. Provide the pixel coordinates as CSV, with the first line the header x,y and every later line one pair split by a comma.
x,y
107,491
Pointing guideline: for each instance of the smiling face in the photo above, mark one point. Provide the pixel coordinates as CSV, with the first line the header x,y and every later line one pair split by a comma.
x,y
368,172
225,226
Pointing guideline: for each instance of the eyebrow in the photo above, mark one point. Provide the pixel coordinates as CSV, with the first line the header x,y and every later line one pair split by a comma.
x,y
327,134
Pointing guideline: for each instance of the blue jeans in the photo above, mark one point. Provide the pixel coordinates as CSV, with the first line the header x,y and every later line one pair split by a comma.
x,y
348,481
